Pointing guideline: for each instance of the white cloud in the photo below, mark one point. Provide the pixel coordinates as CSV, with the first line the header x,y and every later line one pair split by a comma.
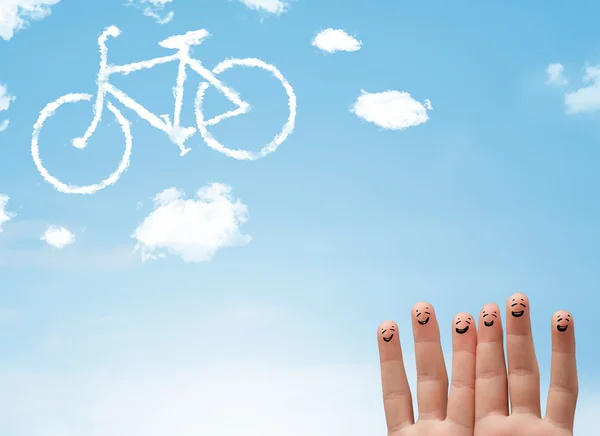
x,y
272,6
586,99
16,14
153,8
392,110
5,100
192,229
332,40
555,75
4,214
58,237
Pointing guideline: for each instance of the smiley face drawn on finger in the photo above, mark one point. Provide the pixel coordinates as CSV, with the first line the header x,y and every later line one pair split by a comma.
x,y
425,315
463,321
388,333
517,307
565,320
490,321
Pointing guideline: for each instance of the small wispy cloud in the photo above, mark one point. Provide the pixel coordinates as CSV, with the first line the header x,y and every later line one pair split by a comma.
x,y
153,9
192,229
5,215
17,14
58,237
332,40
5,99
393,110
587,98
555,75
271,6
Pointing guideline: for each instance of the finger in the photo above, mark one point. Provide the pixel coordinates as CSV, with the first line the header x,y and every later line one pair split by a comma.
x,y
397,401
432,378
562,396
523,370
491,383
461,400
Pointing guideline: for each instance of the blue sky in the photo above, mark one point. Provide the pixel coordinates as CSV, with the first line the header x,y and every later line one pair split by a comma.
x,y
350,223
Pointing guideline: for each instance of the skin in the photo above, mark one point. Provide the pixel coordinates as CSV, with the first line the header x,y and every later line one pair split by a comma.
x,y
462,324
490,316
494,385
440,413
482,383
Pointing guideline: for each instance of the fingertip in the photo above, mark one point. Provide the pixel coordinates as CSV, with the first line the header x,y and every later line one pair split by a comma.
x,y
517,297
491,306
422,305
562,313
387,329
422,313
388,339
562,321
386,324
462,323
463,315
490,316
517,305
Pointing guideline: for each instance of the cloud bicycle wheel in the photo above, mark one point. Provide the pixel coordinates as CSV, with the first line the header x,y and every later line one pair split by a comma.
x,y
277,140
49,111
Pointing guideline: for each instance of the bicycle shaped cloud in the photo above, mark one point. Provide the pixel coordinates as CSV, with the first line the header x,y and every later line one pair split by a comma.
x,y
177,133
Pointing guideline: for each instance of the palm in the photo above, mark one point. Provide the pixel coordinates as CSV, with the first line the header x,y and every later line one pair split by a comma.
x,y
433,428
518,425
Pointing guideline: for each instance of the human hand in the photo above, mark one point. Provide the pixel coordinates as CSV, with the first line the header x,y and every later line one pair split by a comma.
x,y
483,411
440,413
523,381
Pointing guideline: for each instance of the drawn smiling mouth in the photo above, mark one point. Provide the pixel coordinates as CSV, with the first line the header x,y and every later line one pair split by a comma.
x,y
424,321
389,339
518,314
461,331
488,323
562,328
